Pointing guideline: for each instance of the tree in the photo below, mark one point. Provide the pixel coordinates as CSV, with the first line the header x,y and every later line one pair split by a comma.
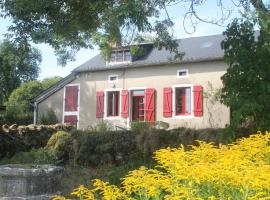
x,y
247,81
18,64
19,102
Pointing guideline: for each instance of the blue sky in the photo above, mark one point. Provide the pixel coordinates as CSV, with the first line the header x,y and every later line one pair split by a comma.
x,y
49,65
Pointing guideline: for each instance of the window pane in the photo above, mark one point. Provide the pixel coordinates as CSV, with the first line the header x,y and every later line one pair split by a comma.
x,y
182,73
119,56
183,101
113,103
127,56
113,56
179,101
188,100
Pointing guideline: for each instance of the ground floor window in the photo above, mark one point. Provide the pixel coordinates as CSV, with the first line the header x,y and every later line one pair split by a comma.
x,y
182,101
113,103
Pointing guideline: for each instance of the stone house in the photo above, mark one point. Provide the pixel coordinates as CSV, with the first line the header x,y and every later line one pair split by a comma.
x,y
152,87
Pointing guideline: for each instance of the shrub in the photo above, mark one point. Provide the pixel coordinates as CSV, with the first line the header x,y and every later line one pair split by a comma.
x,y
237,171
61,142
93,148
49,118
33,157
139,127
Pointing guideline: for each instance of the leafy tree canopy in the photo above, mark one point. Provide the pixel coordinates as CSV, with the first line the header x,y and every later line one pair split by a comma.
x,y
247,81
18,64
20,99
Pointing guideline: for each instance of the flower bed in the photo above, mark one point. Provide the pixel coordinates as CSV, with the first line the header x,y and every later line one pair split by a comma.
x,y
240,170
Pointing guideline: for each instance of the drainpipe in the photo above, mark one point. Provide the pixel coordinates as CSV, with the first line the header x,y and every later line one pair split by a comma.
x,y
35,113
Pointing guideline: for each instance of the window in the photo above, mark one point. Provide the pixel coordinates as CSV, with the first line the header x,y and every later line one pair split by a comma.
x,y
120,56
113,104
183,101
113,78
182,73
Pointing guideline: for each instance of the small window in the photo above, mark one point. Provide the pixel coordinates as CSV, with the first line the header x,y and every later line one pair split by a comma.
x,y
120,56
182,73
183,101
113,104
113,78
127,56
113,57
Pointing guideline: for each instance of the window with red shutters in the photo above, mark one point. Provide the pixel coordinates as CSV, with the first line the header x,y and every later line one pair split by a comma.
x,y
125,103
99,104
113,103
167,102
198,100
150,104
182,101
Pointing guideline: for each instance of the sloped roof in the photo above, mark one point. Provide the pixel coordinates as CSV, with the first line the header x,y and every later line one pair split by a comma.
x,y
196,49
60,84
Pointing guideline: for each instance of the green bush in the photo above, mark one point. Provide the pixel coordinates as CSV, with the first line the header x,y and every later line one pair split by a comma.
x,y
93,148
61,142
139,127
35,156
49,118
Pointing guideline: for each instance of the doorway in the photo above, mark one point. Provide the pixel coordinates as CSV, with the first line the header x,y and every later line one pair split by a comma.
x,y
138,105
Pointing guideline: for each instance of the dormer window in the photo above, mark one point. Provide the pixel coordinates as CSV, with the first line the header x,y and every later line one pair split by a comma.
x,y
120,56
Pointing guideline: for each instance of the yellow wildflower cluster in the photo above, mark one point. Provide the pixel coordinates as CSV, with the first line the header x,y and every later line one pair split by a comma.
x,y
229,172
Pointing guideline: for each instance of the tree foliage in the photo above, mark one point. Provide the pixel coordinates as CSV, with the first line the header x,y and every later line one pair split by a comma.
x,y
247,81
20,99
18,64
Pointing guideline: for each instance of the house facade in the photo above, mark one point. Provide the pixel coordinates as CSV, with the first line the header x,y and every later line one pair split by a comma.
x,y
148,88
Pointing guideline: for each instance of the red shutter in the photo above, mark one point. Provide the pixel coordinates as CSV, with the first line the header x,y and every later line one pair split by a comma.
x,y
150,104
99,104
198,100
71,119
167,102
124,102
71,98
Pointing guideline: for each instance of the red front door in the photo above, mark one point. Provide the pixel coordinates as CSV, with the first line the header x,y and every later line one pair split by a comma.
x,y
138,108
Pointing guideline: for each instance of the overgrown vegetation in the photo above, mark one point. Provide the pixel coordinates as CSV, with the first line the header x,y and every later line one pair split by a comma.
x,y
49,118
236,171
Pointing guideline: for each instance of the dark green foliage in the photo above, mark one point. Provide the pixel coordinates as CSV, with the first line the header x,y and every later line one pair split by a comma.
x,y
18,64
49,118
247,81
34,157
139,127
70,25
92,148
13,142
101,148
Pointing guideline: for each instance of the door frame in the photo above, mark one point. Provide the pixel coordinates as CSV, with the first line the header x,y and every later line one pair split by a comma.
x,y
129,120
77,113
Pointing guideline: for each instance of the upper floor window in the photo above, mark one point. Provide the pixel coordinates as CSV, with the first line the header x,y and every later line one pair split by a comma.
x,y
182,73
120,56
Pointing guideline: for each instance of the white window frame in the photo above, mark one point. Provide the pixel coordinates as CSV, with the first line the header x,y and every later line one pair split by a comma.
x,y
119,62
191,99
182,70
113,75
130,102
78,110
106,91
